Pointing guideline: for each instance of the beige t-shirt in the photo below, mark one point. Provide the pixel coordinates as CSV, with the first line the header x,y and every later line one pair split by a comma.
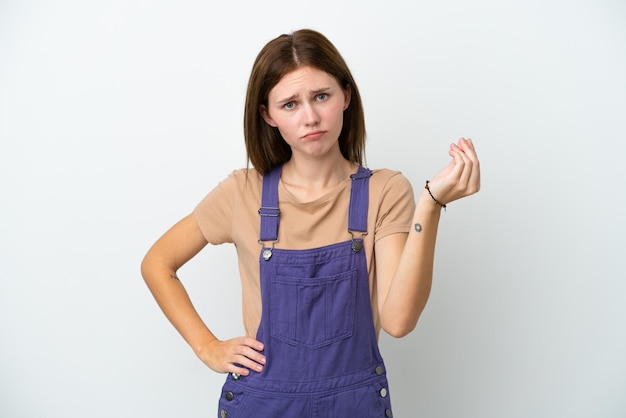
x,y
229,213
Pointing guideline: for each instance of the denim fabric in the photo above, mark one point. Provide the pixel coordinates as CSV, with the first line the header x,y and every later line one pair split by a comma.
x,y
316,325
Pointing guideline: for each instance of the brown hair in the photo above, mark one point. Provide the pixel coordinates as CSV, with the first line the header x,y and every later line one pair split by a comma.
x,y
265,147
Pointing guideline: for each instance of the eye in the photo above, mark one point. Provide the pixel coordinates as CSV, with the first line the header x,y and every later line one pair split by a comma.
x,y
289,105
322,96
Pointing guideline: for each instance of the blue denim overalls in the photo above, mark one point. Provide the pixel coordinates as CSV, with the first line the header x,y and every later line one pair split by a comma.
x,y
316,325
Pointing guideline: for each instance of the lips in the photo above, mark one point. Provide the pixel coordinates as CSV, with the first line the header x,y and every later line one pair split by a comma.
x,y
314,135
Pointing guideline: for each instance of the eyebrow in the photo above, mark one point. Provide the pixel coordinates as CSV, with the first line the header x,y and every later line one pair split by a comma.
x,y
295,96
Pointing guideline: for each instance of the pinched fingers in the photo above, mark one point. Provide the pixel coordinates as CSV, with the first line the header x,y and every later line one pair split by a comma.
x,y
469,178
462,176
473,183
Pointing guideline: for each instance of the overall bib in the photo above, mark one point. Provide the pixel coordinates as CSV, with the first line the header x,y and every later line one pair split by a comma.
x,y
316,325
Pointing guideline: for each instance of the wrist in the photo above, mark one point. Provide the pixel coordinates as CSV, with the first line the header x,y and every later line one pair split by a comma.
x,y
426,206
202,346
432,196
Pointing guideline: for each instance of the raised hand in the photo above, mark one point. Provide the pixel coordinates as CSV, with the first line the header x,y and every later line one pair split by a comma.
x,y
461,177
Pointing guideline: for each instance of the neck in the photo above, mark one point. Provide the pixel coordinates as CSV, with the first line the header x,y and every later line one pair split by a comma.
x,y
316,175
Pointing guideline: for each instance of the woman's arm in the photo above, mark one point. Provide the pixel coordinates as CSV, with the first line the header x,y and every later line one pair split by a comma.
x,y
404,263
177,246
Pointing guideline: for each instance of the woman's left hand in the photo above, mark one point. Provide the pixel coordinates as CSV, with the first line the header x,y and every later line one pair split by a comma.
x,y
461,177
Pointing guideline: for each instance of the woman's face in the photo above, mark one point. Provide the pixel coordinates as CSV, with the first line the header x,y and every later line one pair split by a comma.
x,y
307,107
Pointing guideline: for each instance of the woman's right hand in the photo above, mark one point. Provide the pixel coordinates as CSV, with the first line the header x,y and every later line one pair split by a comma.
x,y
178,245
237,355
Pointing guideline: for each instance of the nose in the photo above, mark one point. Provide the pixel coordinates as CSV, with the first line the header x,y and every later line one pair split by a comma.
x,y
311,116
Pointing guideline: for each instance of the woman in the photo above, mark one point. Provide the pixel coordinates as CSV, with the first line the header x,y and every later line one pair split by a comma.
x,y
329,252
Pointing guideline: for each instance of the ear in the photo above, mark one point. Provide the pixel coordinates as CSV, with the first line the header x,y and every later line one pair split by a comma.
x,y
266,116
347,94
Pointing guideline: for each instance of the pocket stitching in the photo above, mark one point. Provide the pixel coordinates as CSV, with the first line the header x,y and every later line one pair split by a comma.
x,y
349,306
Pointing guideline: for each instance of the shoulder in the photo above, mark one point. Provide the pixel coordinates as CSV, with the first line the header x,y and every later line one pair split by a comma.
x,y
392,201
230,189
385,173
240,179
243,175
385,179
233,196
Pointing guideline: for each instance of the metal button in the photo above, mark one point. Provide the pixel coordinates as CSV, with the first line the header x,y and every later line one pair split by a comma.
x,y
236,376
223,413
382,392
230,396
379,370
388,413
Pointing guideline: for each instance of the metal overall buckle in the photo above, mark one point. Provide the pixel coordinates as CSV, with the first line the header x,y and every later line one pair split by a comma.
x,y
274,213
267,252
357,245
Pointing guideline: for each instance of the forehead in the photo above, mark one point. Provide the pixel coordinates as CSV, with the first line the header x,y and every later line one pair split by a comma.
x,y
304,78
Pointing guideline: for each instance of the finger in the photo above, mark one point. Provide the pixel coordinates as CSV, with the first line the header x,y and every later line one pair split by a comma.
x,y
251,348
246,363
474,181
253,355
467,146
242,365
247,355
252,343
238,369
465,183
461,161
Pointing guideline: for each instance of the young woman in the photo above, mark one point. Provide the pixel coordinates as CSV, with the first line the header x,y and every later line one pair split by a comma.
x,y
329,251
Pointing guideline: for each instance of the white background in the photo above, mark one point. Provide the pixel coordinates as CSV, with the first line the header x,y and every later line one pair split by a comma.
x,y
117,117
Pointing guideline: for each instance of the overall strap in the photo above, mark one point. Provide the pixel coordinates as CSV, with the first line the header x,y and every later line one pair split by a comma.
x,y
359,200
269,211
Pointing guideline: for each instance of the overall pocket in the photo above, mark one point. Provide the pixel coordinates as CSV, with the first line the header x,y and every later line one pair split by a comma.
x,y
315,311
368,401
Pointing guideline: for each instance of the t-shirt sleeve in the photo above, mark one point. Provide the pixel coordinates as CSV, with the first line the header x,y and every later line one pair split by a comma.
x,y
214,213
396,206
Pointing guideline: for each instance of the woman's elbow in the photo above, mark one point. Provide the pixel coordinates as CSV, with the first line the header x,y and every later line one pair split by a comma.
x,y
398,329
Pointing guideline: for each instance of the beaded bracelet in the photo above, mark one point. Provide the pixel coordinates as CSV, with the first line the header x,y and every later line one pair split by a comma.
x,y
431,195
